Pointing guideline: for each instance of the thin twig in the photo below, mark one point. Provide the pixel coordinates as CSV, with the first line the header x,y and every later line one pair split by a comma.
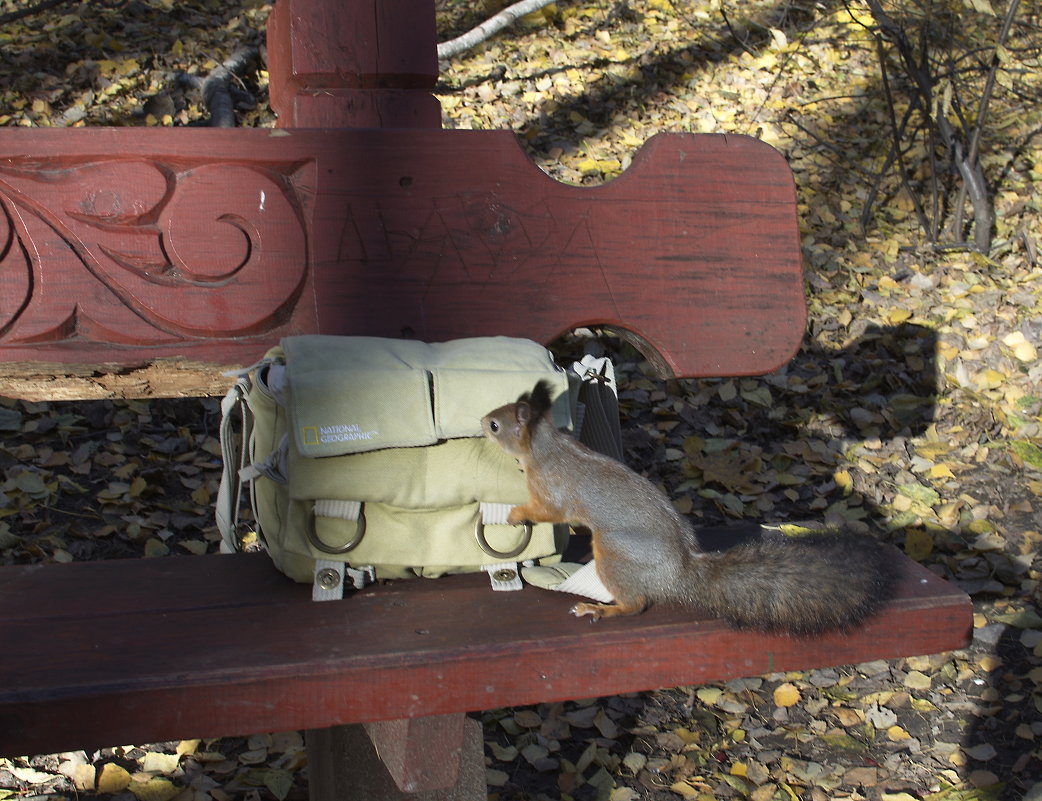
x,y
28,11
896,152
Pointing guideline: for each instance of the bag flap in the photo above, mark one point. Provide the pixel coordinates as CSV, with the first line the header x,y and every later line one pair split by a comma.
x,y
356,394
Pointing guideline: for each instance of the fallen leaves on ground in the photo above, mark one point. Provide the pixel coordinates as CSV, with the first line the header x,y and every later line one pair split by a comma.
x,y
914,408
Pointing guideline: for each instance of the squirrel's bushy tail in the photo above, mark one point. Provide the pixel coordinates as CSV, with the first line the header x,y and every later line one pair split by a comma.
x,y
801,585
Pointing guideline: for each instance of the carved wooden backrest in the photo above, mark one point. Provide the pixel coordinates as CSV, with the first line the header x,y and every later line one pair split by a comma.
x,y
142,261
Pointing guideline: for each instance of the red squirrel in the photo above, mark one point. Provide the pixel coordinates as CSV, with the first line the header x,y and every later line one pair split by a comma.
x,y
645,552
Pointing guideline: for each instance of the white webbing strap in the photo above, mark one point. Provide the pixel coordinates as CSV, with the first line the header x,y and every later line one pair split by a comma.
x,y
504,576
331,576
329,580
338,510
495,514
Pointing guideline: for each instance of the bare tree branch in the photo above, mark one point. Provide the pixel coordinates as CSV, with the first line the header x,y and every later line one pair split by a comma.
x,y
489,27
28,11
971,157
220,96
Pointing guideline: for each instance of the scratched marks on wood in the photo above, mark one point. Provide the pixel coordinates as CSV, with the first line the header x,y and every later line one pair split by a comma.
x,y
142,252
694,249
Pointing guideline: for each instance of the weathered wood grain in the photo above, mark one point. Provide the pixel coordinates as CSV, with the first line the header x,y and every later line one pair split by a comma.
x,y
208,246
224,645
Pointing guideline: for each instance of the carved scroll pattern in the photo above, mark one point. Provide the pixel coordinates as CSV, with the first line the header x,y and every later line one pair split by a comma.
x,y
138,252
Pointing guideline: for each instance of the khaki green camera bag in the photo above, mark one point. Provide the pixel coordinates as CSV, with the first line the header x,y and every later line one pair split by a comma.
x,y
365,460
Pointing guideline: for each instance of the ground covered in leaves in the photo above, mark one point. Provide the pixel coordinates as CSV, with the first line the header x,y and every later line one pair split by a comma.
x,y
913,409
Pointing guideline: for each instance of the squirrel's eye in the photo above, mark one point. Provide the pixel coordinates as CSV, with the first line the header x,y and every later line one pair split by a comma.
x,y
493,426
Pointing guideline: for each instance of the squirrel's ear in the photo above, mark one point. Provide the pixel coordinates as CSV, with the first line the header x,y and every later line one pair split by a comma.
x,y
523,413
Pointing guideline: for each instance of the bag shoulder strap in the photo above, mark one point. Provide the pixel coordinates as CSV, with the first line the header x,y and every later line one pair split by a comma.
x,y
234,456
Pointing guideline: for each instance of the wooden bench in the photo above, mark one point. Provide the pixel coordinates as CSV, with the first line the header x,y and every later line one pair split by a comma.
x,y
143,262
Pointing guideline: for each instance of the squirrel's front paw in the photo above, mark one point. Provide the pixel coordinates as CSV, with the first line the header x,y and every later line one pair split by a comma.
x,y
593,610
518,516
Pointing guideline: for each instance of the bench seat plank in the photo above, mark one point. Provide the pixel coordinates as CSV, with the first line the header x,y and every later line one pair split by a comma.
x,y
224,645
204,247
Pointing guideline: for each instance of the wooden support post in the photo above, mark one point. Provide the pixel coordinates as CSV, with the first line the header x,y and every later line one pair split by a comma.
x,y
439,758
353,65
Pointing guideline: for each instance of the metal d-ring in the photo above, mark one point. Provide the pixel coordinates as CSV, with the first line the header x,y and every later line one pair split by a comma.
x,y
479,534
312,534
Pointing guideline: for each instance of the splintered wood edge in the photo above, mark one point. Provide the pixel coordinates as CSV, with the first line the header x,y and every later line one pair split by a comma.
x,y
167,378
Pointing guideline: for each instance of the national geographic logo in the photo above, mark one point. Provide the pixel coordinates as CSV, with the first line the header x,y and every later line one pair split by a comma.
x,y
323,435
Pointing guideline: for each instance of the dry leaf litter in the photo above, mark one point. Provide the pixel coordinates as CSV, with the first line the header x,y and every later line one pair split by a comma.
x,y
913,407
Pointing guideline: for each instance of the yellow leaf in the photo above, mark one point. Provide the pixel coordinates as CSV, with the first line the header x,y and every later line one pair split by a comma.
x,y
154,790
931,450
896,734
709,695
918,544
112,779
786,694
84,777
898,316
1025,352
155,547
153,762
981,6
767,62
941,471
684,790
859,18
989,379
848,717
917,680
